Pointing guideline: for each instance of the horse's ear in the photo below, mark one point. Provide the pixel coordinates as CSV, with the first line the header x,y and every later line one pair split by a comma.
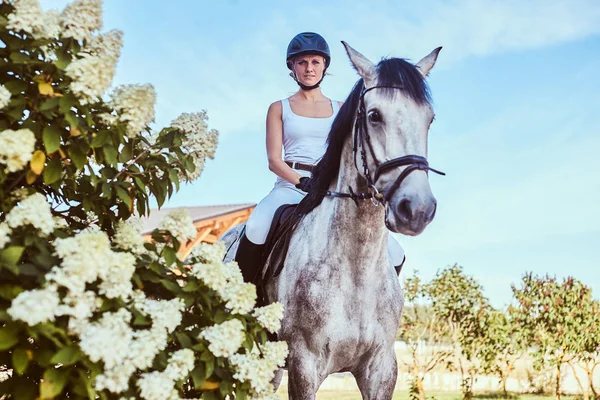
x,y
427,63
365,68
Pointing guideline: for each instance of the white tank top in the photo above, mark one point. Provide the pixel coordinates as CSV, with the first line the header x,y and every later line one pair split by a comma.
x,y
305,138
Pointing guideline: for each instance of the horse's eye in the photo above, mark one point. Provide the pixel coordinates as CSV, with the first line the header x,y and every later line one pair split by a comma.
x,y
374,117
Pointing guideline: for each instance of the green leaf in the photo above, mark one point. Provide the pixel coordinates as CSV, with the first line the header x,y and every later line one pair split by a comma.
x,y
125,154
184,340
53,383
49,104
20,360
10,291
110,153
18,57
123,195
67,356
198,374
169,255
78,157
210,367
15,86
191,286
52,171
11,255
100,138
51,138
8,338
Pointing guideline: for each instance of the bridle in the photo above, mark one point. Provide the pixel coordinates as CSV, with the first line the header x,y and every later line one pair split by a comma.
x,y
362,139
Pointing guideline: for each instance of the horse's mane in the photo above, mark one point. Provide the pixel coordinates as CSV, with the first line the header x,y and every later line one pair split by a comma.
x,y
395,72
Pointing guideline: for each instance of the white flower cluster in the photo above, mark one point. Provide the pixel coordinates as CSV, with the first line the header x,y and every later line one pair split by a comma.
x,y
81,19
34,211
128,237
35,306
207,253
107,45
224,339
4,97
199,142
17,148
135,106
88,257
259,372
160,385
27,17
133,350
4,231
179,223
270,316
92,74
227,281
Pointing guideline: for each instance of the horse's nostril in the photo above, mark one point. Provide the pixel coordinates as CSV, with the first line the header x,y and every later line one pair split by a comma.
x,y
404,210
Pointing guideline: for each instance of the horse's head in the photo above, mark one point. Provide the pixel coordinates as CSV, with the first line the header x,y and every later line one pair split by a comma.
x,y
390,138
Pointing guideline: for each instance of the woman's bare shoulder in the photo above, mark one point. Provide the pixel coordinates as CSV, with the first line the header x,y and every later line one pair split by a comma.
x,y
275,107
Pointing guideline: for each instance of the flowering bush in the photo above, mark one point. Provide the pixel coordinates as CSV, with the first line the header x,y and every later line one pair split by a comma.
x,y
88,309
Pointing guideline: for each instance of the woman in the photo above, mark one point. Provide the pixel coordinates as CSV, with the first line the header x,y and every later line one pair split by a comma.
x,y
300,125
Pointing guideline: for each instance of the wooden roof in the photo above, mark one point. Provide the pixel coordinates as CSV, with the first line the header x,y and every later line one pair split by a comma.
x,y
211,222
198,214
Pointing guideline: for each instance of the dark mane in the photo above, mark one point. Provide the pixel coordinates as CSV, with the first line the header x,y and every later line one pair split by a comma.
x,y
390,72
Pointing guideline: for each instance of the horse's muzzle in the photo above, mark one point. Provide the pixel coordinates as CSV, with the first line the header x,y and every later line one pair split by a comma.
x,y
410,215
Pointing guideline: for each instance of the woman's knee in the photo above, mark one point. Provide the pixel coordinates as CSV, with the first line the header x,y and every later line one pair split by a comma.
x,y
257,229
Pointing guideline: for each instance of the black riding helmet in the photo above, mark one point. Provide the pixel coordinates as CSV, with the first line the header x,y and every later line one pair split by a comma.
x,y
307,43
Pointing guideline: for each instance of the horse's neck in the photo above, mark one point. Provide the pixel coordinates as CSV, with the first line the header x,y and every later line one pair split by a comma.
x,y
362,224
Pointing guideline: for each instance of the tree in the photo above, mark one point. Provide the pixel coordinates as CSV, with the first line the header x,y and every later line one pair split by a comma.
x,y
425,334
458,300
500,347
556,320
87,308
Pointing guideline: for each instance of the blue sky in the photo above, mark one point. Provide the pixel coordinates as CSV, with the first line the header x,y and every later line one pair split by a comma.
x,y
515,92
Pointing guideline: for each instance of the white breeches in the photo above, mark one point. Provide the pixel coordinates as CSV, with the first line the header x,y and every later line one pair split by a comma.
x,y
259,223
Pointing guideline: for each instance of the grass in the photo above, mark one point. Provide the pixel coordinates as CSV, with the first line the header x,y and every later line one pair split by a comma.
x,y
403,395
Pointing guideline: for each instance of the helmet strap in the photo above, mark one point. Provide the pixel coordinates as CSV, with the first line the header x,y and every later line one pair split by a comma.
x,y
305,87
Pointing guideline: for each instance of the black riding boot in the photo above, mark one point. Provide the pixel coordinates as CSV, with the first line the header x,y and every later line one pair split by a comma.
x,y
398,268
249,257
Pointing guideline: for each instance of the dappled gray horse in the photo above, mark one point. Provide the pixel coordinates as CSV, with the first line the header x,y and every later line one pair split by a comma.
x,y
341,296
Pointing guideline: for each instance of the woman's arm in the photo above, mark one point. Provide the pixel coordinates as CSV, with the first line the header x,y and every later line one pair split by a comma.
x,y
275,145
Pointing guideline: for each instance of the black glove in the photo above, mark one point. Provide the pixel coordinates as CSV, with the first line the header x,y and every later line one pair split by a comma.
x,y
304,184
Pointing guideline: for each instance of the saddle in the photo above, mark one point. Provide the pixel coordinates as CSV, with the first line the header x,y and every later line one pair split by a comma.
x,y
278,239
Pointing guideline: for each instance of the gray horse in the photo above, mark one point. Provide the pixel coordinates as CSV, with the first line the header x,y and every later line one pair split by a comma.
x,y
341,296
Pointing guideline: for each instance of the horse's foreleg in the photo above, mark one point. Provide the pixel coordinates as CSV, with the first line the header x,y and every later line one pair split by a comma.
x,y
377,379
303,376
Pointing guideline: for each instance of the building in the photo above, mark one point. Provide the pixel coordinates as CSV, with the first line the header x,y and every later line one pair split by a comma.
x,y
211,222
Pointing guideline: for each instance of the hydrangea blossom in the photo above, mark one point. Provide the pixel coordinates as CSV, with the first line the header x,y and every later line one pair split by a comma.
x,y
107,45
81,18
91,75
84,256
179,223
270,316
128,237
240,297
28,17
224,339
108,339
17,148
135,106
4,97
4,234
34,211
180,364
199,142
35,306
